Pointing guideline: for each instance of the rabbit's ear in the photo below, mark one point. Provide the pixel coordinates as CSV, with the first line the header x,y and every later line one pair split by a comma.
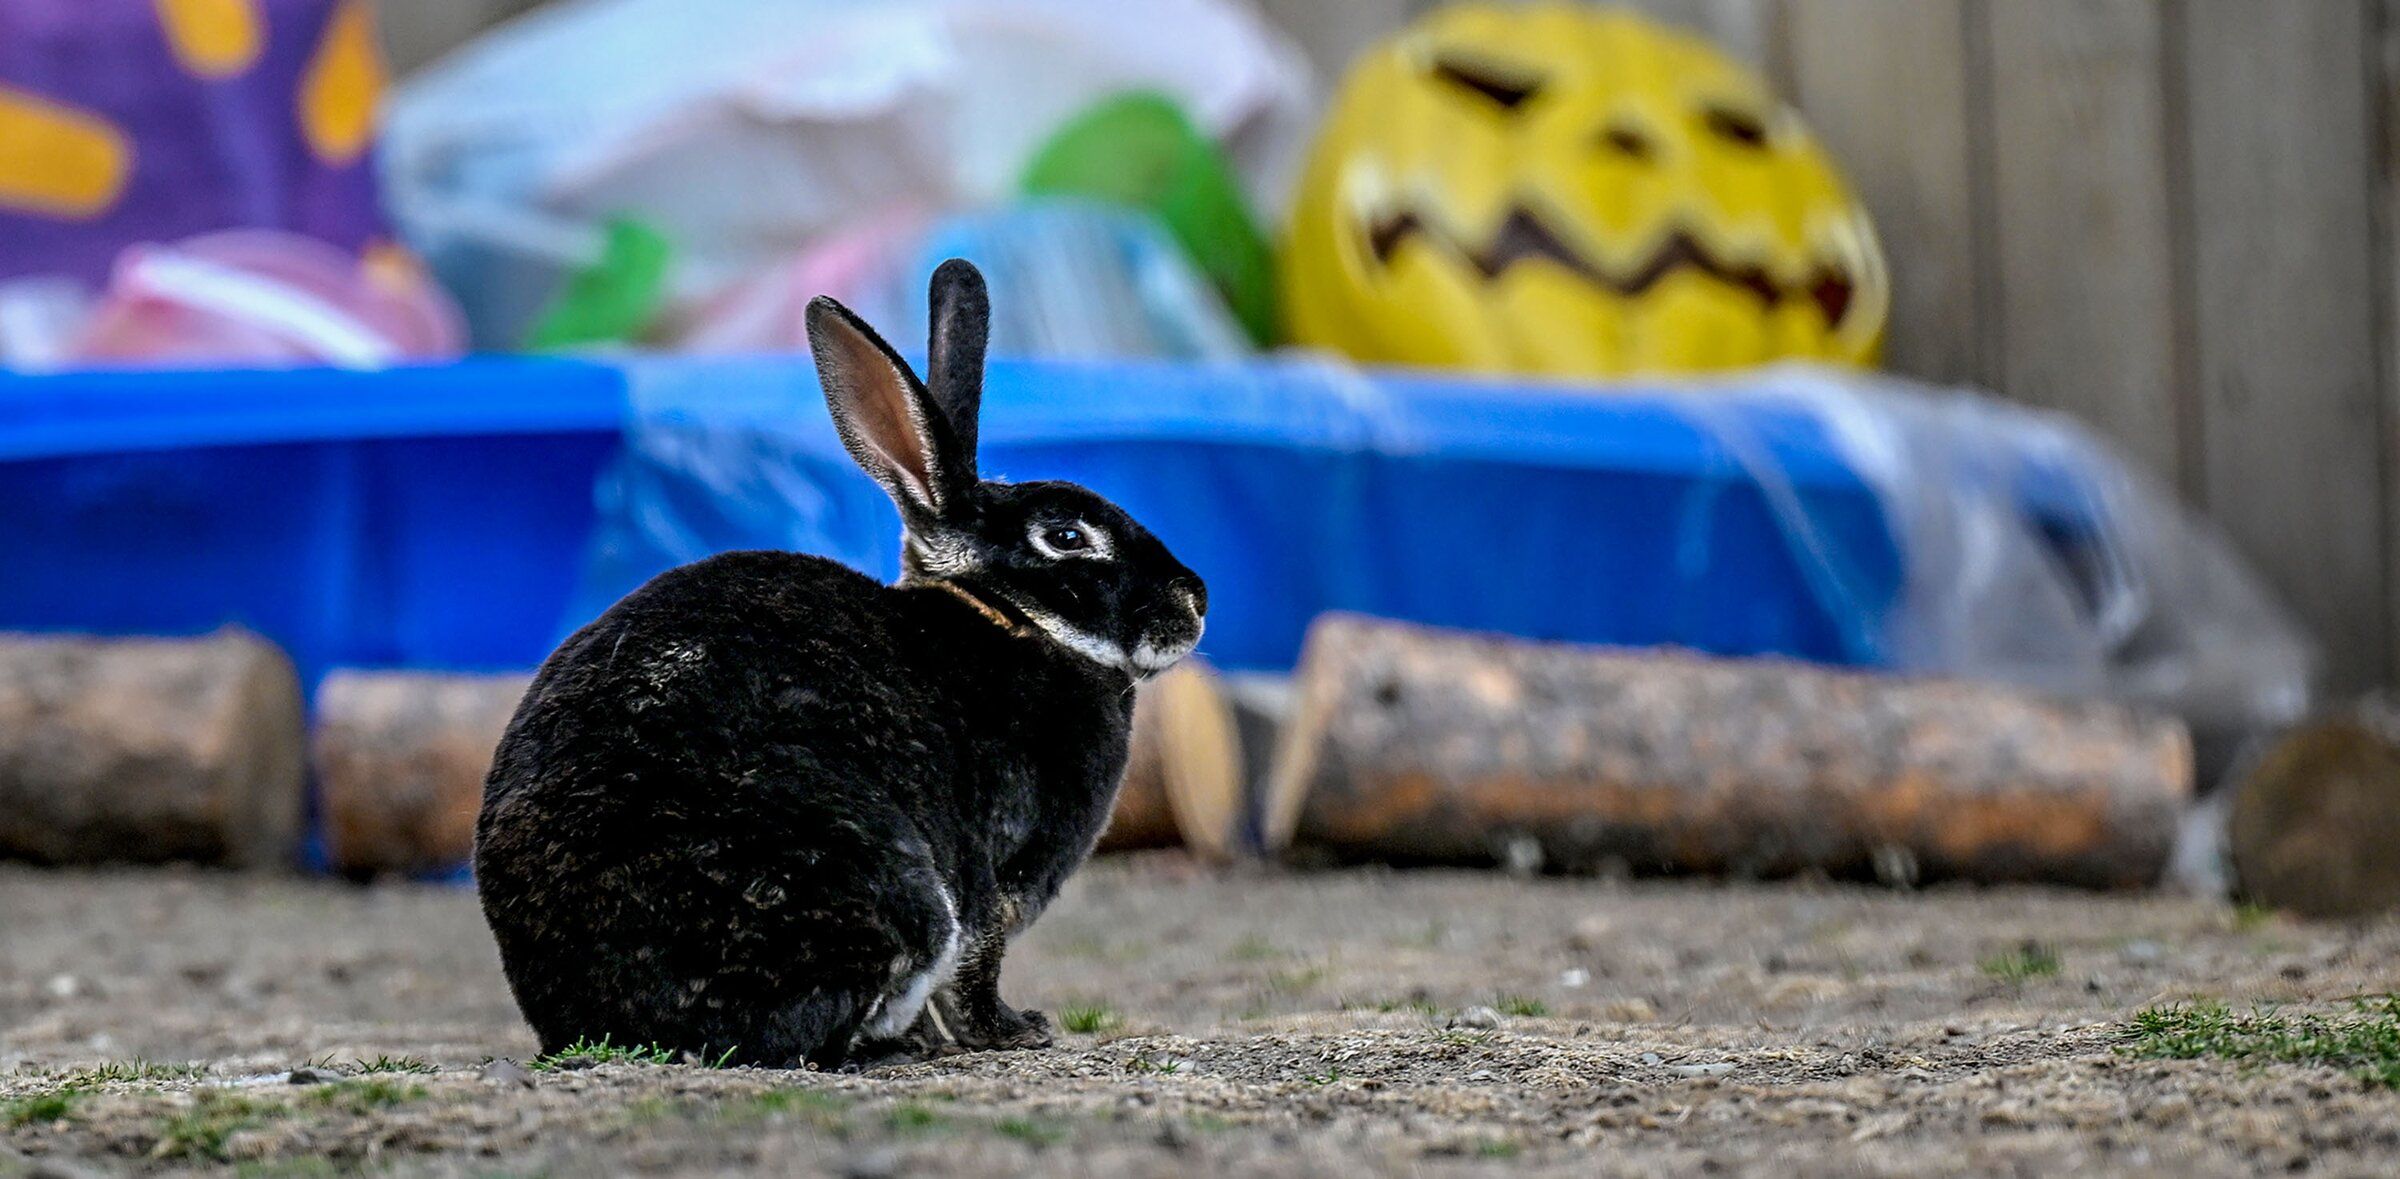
x,y
961,315
884,416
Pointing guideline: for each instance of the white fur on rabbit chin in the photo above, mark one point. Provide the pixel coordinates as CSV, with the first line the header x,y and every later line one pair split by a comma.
x,y
1144,661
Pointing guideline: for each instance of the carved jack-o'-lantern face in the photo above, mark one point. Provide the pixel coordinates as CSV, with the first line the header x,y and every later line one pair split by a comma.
x,y
1567,190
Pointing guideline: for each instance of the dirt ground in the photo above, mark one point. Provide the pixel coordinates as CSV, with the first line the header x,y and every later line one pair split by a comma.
x,y
1251,1023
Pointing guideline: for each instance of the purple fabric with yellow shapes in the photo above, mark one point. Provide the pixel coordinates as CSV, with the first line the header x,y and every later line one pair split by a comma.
x,y
126,121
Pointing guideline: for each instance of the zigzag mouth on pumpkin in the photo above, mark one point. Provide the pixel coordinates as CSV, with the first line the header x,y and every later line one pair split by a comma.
x,y
1523,235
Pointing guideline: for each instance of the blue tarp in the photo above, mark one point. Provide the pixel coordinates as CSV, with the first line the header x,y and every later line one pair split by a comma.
x,y
468,516
1296,488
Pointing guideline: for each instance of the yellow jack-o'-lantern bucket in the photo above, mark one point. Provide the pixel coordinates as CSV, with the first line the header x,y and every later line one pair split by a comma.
x,y
1560,189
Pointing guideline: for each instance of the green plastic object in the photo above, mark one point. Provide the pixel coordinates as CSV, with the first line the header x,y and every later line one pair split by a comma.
x,y
1138,149
614,298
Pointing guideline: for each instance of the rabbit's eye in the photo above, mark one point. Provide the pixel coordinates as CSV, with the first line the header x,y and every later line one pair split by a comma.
x,y
1060,541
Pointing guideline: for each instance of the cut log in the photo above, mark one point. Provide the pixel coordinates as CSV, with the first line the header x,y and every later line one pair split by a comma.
x,y
2315,823
1183,778
401,758
150,750
1413,744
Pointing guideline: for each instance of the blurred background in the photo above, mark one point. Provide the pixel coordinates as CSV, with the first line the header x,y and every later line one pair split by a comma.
x,y
2040,348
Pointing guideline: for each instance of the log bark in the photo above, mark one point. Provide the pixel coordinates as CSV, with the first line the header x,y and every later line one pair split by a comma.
x,y
150,750
401,758
1183,778
1412,744
2315,821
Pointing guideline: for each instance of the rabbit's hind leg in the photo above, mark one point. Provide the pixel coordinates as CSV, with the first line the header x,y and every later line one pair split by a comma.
x,y
922,1041
872,1008
900,1027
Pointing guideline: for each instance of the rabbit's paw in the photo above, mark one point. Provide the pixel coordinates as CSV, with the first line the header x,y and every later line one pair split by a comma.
x,y
1000,1029
1023,1029
874,1054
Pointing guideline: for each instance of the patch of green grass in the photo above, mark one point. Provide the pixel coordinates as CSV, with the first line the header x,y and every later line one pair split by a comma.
x,y
1088,1017
910,1117
1524,1005
391,1064
1256,949
137,1069
2022,965
41,1108
2248,916
363,1097
1208,1123
200,1131
2365,1043
1031,1131
1329,1076
1292,982
1144,1064
587,1053
1496,1148
823,1110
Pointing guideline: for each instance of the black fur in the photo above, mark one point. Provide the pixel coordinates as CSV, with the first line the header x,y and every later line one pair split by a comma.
x,y
753,802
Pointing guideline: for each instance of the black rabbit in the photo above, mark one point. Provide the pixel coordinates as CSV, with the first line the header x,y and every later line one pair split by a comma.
x,y
768,806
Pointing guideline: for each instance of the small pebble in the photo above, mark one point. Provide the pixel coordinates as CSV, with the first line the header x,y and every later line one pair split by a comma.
x,y
1522,855
1703,1070
311,1075
1481,1074
1476,1017
1653,1058
1576,977
63,986
503,1071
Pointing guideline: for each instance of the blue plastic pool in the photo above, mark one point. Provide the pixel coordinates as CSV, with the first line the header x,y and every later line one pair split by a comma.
x,y
445,517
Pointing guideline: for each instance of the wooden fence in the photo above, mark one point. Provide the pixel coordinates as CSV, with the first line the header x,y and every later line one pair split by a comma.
x,y
2171,218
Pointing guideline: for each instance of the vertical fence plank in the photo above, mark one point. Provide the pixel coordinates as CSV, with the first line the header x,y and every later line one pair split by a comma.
x,y
1885,86
2085,248
2284,307
2384,116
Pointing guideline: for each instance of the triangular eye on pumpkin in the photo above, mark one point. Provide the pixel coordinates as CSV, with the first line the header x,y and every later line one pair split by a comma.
x,y
1507,89
1737,126
1554,188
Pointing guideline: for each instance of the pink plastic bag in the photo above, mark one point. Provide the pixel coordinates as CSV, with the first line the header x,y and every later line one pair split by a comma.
x,y
266,297
764,312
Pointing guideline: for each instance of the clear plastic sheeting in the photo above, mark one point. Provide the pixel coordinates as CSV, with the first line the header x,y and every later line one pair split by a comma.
x,y
1839,517
1072,280
2032,553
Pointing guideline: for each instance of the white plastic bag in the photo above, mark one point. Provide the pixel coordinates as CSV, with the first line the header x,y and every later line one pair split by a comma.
x,y
743,129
